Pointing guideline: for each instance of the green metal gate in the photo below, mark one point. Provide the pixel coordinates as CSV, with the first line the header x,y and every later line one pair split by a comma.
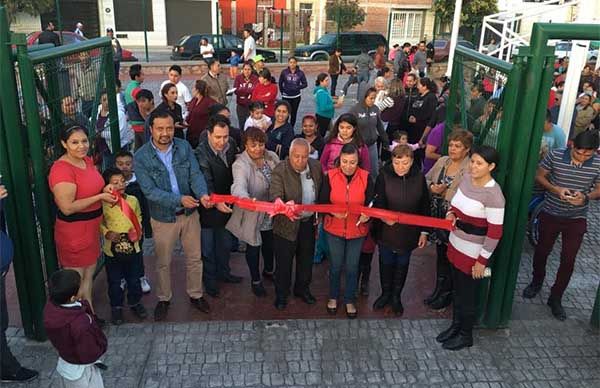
x,y
513,124
44,89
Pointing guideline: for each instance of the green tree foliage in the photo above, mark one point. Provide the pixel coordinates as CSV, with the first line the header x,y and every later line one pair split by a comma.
x,y
349,13
472,13
32,7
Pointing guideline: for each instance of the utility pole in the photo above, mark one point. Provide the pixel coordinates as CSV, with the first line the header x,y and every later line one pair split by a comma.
x,y
292,27
454,35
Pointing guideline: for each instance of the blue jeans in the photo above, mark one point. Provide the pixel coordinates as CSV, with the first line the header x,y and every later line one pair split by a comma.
x,y
344,253
374,159
321,247
128,268
391,257
216,251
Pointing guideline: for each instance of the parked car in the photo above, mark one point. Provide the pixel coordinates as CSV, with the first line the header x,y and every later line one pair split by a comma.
x,y
441,48
188,47
351,44
69,37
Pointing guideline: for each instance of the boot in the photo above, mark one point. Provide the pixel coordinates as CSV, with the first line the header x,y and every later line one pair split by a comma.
x,y
386,276
443,300
436,292
399,279
453,330
464,337
442,295
365,273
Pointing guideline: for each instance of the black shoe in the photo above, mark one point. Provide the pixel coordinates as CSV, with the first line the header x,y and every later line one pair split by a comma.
x,y
531,290
400,275
212,292
386,277
201,304
351,315
306,297
397,307
459,341
23,375
442,301
139,311
557,309
280,303
436,292
259,290
161,310
116,316
268,275
449,333
229,278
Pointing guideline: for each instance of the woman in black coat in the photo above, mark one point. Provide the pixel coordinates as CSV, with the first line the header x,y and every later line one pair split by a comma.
x,y
422,110
400,187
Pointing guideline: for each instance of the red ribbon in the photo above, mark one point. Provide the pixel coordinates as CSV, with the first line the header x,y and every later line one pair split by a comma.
x,y
292,211
130,214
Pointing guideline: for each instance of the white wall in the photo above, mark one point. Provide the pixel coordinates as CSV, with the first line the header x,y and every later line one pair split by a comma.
x,y
158,37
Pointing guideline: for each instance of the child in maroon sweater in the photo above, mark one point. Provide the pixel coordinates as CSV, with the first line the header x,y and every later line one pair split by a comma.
x,y
74,331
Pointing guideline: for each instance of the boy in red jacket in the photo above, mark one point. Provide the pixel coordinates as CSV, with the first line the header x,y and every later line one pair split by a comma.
x,y
74,331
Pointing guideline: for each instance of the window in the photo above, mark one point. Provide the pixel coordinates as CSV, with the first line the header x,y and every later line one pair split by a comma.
x,y
327,39
128,15
406,26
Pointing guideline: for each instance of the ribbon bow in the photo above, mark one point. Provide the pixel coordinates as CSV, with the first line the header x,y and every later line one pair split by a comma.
x,y
287,209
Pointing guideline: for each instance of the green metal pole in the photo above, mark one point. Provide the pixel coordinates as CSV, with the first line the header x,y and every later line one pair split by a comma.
x,y
111,93
281,37
595,318
26,229
10,211
455,91
218,26
339,22
40,170
59,20
144,18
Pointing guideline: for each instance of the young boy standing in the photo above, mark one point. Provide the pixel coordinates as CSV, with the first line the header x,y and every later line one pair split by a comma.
x,y
122,231
73,330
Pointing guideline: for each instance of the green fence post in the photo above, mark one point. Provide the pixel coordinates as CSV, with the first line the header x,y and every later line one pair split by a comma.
x,y
281,38
111,93
34,130
10,211
595,318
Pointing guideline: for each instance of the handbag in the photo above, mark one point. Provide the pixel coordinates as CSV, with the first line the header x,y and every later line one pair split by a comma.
x,y
439,208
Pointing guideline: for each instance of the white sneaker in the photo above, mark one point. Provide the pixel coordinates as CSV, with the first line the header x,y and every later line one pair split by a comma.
x,y
145,285
123,284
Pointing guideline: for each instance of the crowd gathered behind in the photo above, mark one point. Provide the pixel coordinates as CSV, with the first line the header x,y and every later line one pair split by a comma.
x,y
384,152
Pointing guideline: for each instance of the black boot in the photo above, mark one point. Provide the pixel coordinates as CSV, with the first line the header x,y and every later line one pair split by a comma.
x,y
464,338
399,279
386,276
436,292
453,330
443,300
365,272
442,295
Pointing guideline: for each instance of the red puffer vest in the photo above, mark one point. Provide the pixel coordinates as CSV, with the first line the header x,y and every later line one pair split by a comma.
x,y
344,192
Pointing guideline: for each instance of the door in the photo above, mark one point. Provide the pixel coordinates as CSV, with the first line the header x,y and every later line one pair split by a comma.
x,y
406,26
186,17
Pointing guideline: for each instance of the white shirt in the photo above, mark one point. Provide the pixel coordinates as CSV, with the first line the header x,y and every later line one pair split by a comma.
x,y
79,32
207,51
183,96
249,48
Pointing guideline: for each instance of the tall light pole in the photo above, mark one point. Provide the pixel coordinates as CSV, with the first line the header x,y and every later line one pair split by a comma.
x,y
292,27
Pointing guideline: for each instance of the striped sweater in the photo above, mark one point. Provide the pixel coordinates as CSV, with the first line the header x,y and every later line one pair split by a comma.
x,y
481,207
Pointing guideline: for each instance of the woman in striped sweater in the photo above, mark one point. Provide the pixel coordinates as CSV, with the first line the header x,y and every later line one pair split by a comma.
x,y
477,210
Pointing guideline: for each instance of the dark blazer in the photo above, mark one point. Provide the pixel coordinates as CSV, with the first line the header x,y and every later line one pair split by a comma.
x,y
219,179
286,184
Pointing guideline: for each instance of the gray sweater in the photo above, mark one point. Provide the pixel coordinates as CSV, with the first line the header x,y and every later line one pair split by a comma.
x,y
363,62
370,125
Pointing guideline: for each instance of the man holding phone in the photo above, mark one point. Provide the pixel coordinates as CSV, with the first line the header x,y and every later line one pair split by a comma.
x,y
571,178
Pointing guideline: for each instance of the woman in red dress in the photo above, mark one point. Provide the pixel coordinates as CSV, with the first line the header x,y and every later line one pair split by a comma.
x,y
78,190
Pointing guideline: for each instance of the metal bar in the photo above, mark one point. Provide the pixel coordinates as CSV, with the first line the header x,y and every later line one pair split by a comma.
x,y
486,60
59,20
111,94
145,22
92,133
63,51
34,130
281,38
451,104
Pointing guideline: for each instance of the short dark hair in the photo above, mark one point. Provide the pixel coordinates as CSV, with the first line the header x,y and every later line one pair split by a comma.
x,y
284,103
254,105
144,94
265,73
63,285
487,153
216,108
347,149
254,134
70,128
369,91
478,87
586,140
429,84
211,61
413,75
124,154
248,30
158,114
406,44
397,135
135,71
294,58
176,68
110,172
401,151
217,121
351,119
320,78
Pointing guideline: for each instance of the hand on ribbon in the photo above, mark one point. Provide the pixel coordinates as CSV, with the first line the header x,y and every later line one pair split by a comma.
x,y
287,209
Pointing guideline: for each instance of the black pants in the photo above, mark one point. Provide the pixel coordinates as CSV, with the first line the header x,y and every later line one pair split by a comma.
x,y
303,248
465,288
294,103
334,80
323,125
253,255
8,363
128,268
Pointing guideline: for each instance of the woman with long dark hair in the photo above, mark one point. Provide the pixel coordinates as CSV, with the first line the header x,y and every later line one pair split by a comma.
x,y
169,104
324,104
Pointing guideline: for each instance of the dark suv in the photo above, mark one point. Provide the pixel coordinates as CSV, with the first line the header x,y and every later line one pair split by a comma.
x,y
188,47
351,44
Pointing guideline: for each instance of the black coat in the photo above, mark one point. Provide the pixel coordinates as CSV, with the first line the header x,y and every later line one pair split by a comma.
x,y
406,194
219,179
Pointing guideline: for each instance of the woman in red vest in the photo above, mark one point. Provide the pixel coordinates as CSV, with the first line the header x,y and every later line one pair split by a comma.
x,y
346,184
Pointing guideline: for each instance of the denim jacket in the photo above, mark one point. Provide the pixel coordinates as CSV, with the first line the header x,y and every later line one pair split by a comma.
x,y
153,178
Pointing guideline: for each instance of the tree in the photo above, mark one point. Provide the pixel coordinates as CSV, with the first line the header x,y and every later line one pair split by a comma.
x,y
32,7
346,12
472,13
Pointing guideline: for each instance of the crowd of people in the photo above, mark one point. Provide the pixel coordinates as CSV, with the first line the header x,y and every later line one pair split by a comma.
x,y
384,152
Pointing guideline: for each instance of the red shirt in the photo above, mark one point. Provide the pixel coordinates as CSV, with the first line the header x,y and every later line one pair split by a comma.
x,y
267,94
